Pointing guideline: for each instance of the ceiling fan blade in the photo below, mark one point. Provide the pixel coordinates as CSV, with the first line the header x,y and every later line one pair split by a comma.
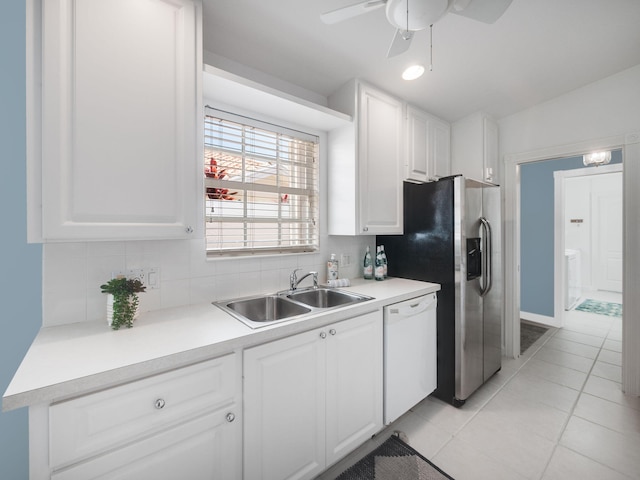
x,y
400,43
486,11
350,11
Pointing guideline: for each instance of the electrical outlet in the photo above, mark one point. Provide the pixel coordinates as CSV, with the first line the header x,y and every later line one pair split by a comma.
x,y
345,260
148,276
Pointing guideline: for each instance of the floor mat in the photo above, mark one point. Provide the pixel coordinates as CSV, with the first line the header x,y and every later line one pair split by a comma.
x,y
601,308
529,334
394,460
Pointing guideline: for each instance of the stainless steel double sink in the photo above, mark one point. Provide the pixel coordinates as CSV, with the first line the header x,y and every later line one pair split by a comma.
x,y
262,310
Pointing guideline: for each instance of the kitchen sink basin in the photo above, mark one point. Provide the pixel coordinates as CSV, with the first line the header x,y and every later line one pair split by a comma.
x,y
266,308
326,298
262,310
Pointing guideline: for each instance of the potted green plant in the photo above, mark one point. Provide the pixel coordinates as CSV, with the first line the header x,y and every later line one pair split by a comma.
x,y
123,296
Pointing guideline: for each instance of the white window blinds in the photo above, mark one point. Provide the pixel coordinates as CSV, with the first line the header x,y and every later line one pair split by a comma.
x,y
261,186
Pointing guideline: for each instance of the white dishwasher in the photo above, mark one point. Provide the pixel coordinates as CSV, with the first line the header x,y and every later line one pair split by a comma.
x,y
410,354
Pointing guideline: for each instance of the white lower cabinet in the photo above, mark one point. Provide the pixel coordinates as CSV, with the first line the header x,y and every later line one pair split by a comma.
x,y
202,448
312,398
182,424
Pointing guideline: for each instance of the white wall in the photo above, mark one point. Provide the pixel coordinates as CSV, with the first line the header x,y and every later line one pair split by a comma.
x,y
590,115
602,109
73,273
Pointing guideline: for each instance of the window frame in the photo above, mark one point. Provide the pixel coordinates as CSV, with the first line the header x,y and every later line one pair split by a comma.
x,y
308,226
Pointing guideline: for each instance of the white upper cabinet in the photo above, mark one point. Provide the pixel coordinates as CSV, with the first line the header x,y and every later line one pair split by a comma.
x,y
366,162
428,154
121,140
474,148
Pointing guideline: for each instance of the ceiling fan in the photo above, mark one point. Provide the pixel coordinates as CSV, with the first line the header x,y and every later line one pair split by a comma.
x,y
410,16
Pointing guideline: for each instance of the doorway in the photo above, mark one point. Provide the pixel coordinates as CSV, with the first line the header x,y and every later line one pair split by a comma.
x,y
630,145
542,232
588,254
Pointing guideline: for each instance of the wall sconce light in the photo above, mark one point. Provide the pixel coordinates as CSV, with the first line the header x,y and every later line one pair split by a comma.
x,y
596,159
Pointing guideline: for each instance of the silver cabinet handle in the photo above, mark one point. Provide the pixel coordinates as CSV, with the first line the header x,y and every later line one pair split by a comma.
x,y
332,331
323,335
189,229
159,404
365,229
230,417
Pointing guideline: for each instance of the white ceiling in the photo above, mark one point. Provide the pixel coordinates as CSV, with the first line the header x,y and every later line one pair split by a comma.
x,y
537,50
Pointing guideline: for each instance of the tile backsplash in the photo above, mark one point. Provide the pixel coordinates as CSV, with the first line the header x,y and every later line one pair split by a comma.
x,y
73,273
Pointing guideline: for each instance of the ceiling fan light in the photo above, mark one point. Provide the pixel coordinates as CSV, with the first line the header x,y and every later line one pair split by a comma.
x,y
413,72
596,158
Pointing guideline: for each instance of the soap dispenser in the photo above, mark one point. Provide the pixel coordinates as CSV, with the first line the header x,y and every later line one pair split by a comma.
x,y
332,268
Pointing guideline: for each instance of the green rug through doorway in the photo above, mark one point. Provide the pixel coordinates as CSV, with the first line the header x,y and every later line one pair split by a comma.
x,y
601,308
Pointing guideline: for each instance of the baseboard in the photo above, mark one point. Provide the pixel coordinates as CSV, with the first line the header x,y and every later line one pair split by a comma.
x,y
542,319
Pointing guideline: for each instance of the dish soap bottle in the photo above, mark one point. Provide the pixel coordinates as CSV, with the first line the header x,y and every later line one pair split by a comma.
x,y
384,261
368,265
379,269
332,268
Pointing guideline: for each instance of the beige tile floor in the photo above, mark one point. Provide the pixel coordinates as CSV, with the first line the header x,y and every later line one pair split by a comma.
x,y
557,412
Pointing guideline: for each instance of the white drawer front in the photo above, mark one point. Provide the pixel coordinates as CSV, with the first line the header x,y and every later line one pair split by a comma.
x,y
202,449
90,424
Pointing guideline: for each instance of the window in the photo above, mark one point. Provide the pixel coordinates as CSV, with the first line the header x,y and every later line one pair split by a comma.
x,y
261,186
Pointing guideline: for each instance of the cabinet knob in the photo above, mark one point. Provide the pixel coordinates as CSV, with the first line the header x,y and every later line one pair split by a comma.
x,y
189,229
323,335
159,403
230,417
365,229
332,331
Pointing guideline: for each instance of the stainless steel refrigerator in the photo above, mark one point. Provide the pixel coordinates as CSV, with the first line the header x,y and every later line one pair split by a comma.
x,y
452,237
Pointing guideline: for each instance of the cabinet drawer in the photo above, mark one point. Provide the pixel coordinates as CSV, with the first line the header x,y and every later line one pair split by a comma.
x,y
196,450
90,424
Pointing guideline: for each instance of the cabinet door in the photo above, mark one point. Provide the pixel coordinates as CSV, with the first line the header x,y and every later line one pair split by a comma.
x,y
417,145
121,141
202,449
491,155
284,408
354,383
87,425
428,146
440,148
380,139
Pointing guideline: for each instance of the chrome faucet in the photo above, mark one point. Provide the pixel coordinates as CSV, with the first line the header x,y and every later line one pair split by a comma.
x,y
294,281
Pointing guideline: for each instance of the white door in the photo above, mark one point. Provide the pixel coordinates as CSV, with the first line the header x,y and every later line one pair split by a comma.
x,y
607,252
354,383
284,408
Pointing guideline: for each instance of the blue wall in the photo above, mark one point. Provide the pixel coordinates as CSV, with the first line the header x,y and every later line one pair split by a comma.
x,y
536,231
20,264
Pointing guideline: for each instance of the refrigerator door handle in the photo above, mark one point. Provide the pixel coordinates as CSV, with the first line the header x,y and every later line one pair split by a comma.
x,y
486,258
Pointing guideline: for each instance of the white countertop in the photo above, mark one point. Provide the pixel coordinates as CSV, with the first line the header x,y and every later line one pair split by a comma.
x,y
69,360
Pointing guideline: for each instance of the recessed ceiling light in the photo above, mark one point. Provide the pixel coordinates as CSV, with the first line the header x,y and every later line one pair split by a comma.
x,y
413,72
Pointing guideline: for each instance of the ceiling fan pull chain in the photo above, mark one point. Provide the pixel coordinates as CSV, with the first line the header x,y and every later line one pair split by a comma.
x,y
407,15
431,47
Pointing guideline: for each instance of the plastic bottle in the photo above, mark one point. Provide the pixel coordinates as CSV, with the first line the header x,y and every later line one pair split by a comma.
x,y
384,261
332,268
368,265
379,266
